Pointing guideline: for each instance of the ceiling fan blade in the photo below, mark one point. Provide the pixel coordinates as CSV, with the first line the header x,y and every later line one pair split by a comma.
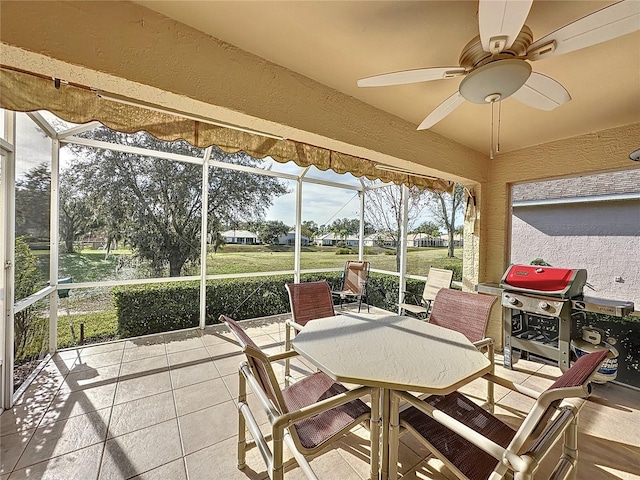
x,y
542,92
411,76
500,22
605,24
442,110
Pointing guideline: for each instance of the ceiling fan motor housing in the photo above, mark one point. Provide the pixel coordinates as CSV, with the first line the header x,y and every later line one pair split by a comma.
x,y
495,81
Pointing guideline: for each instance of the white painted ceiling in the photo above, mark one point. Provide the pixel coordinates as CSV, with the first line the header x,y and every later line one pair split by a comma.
x,y
338,42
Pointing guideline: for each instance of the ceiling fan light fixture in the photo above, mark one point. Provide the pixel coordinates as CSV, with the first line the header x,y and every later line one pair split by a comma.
x,y
501,77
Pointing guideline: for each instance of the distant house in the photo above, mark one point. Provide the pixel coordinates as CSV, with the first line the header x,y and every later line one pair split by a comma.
x,y
424,240
243,237
590,222
379,240
332,240
290,239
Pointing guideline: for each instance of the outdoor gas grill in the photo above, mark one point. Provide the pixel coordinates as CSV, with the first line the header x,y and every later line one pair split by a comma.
x,y
539,302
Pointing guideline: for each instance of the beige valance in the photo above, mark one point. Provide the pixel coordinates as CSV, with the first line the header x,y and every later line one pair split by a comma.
x,y
26,92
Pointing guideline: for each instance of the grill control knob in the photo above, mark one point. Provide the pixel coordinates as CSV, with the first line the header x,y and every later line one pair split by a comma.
x,y
512,300
544,306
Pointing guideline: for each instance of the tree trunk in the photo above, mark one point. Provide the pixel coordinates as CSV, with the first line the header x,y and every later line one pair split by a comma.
x,y
68,243
175,266
450,247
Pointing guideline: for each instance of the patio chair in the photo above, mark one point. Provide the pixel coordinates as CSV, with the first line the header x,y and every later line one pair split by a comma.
x,y
467,313
437,279
307,415
476,445
354,283
309,301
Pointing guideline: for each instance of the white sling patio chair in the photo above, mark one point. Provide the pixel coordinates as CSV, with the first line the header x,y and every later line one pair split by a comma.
x,y
307,416
309,301
476,445
437,279
354,283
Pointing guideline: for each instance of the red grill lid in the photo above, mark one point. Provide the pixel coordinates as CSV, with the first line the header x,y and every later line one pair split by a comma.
x,y
542,279
559,282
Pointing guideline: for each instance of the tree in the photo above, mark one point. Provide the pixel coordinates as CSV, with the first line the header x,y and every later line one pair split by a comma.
x,y
344,227
25,283
444,208
33,194
428,228
76,217
156,204
384,211
310,229
269,232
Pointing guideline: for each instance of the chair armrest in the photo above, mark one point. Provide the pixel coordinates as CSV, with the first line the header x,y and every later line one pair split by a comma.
x,y
485,342
281,356
416,297
293,324
469,434
503,382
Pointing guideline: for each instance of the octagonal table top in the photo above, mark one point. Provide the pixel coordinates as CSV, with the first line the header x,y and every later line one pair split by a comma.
x,y
391,351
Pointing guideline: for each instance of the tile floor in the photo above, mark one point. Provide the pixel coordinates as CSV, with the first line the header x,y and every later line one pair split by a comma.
x,y
163,407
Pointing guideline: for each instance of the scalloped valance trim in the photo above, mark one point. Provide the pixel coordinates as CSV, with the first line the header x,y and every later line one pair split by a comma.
x,y
26,92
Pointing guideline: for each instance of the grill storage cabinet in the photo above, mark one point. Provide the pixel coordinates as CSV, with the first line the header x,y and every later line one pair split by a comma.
x,y
538,305
537,311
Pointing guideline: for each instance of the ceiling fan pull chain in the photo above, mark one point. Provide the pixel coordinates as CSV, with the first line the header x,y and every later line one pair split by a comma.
x,y
499,123
491,150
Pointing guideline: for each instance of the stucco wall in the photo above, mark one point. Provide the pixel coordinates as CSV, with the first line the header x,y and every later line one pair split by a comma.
x,y
598,152
603,238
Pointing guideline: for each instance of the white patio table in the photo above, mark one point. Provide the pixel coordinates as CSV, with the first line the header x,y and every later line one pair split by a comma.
x,y
393,353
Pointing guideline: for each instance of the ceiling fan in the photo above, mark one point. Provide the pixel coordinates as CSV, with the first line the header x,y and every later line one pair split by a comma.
x,y
495,64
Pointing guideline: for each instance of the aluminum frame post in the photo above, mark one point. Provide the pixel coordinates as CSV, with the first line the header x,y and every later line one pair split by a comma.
x,y
298,232
203,237
403,244
54,245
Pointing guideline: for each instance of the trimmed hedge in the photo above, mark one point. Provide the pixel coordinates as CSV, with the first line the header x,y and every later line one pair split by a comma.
x,y
163,307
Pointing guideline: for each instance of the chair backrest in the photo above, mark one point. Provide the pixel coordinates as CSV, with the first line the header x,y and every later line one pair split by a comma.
x,y
574,383
259,364
464,312
310,300
356,274
437,279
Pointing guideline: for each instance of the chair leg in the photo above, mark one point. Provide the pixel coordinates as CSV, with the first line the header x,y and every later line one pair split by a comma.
x,y
570,447
242,434
375,434
490,387
277,468
394,436
287,347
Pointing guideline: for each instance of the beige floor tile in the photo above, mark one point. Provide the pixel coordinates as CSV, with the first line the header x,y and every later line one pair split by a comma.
x,y
145,366
65,436
185,358
89,377
223,350
185,340
80,464
143,351
218,462
97,360
141,451
11,447
200,395
141,413
329,465
103,348
171,471
25,415
208,426
69,404
228,364
214,337
182,376
134,387
145,341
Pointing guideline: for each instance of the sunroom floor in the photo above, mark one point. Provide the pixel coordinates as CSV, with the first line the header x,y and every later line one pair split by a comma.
x,y
163,407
